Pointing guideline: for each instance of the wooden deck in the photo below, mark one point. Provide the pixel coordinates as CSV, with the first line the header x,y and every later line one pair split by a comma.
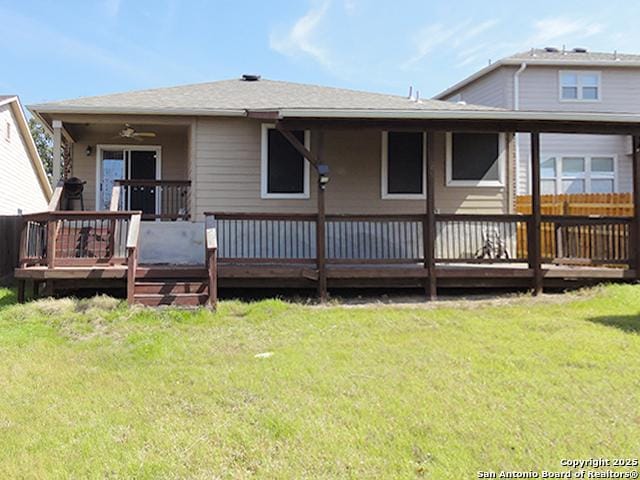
x,y
69,250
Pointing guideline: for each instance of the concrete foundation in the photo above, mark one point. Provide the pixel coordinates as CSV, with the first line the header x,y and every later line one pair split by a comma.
x,y
175,243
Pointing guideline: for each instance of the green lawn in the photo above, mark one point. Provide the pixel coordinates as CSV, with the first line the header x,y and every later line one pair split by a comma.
x,y
91,388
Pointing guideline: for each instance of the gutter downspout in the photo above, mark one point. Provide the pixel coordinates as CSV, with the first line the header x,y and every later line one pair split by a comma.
x,y
516,107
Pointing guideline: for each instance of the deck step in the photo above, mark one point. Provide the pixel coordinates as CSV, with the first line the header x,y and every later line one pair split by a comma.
x,y
182,299
170,287
171,272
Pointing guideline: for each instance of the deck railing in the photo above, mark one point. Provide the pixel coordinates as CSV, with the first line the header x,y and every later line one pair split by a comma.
x,y
388,239
158,199
73,238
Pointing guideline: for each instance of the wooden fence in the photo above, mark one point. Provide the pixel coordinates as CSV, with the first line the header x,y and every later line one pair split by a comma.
x,y
583,204
10,228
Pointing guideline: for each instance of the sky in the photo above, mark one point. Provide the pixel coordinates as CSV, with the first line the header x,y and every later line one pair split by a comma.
x,y
51,50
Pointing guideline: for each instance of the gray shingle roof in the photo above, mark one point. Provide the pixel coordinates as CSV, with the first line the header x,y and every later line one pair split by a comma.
x,y
569,56
247,95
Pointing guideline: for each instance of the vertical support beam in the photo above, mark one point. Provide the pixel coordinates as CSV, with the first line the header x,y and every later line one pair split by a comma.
x,y
320,231
57,151
634,244
429,223
535,254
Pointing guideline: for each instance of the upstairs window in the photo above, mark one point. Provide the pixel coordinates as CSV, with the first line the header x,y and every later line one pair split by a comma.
x,y
580,86
284,171
578,174
475,159
403,165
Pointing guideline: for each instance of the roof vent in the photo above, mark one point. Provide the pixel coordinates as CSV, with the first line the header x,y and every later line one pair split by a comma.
x,y
551,49
579,50
250,78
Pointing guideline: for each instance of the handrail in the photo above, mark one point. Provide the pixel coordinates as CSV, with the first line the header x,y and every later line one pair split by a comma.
x,y
261,216
145,182
78,214
211,240
54,203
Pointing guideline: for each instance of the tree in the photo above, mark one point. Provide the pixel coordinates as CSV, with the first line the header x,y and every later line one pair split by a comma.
x,y
44,144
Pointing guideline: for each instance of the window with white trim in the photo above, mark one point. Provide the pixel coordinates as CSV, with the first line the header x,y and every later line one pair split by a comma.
x,y
403,165
284,170
475,159
579,86
578,174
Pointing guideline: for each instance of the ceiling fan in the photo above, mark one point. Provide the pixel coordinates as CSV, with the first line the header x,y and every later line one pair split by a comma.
x,y
129,132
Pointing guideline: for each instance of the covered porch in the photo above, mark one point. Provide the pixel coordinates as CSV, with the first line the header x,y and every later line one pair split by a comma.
x,y
326,249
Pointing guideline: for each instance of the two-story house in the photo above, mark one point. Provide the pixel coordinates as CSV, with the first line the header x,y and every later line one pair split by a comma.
x,y
570,81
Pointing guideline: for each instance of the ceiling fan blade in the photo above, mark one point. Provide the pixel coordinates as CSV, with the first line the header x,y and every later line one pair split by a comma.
x,y
144,134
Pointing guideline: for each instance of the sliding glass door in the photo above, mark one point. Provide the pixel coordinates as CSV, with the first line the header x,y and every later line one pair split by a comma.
x,y
129,163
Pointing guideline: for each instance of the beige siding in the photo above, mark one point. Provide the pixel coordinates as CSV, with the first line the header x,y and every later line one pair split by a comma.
x,y
539,90
620,90
580,145
228,175
20,188
174,158
494,90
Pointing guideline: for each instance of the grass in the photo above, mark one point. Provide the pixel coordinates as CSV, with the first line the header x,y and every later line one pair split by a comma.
x,y
90,388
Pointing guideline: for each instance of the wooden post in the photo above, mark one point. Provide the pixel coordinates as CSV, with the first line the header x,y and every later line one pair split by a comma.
x,y
52,233
211,240
212,264
132,266
21,288
132,256
429,224
320,246
535,254
57,151
634,246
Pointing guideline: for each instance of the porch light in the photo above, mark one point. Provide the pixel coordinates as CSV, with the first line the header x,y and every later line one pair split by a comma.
x,y
323,173
88,150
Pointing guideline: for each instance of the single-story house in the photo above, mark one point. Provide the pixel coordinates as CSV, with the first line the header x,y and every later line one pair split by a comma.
x,y
254,182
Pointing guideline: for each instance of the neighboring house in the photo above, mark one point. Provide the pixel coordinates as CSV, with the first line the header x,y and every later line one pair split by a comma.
x,y
552,80
24,187
237,170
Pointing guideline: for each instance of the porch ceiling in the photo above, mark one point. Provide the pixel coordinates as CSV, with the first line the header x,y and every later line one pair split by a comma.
x,y
80,131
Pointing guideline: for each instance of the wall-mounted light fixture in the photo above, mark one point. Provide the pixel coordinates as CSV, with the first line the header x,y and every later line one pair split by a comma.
x,y
88,150
323,175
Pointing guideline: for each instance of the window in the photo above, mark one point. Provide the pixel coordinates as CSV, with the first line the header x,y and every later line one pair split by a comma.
x,y
403,165
475,159
577,174
580,86
284,171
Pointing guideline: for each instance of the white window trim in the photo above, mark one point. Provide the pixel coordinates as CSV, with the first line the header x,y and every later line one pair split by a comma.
x,y
384,176
502,154
587,176
101,147
264,163
579,86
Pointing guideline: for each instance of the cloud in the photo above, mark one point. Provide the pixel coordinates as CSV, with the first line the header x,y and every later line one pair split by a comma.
x,y
454,37
300,38
555,29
